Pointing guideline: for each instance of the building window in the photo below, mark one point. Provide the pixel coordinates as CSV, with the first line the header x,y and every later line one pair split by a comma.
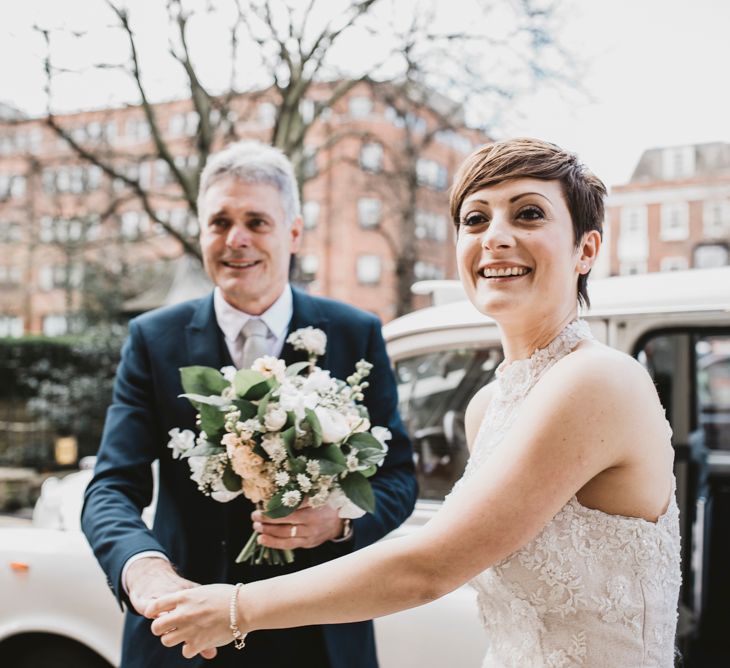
x,y
359,106
9,231
267,114
308,264
137,129
310,214
133,224
369,269
10,275
11,326
369,212
674,263
11,186
631,267
454,140
55,325
425,271
674,222
707,256
371,157
633,241
716,219
678,162
430,173
431,226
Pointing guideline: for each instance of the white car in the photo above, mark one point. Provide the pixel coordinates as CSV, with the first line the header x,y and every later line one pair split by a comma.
x,y
55,607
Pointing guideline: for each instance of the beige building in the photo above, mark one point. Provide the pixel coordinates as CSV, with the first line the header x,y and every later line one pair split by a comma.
x,y
674,213
64,221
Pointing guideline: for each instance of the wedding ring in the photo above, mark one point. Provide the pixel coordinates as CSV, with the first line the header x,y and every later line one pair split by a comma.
x,y
293,532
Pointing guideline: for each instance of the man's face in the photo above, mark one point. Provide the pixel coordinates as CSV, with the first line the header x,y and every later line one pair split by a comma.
x,y
246,242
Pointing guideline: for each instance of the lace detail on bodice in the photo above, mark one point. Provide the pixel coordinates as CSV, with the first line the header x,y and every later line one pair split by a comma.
x,y
591,589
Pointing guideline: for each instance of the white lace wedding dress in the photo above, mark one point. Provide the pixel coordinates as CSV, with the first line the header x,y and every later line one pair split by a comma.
x,y
592,589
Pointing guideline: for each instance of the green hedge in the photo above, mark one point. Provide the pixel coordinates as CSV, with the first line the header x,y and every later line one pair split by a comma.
x,y
62,384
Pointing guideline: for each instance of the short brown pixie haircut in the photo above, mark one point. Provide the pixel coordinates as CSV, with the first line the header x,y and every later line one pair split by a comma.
x,y
532,158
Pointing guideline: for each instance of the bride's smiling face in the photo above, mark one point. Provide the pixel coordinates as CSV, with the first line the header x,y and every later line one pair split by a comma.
x,y
516,251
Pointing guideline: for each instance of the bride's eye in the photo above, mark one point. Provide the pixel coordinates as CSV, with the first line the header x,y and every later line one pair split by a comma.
x,y
531,213
474,219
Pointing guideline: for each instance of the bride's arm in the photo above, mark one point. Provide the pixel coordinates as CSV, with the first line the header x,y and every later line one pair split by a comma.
x,y
583,419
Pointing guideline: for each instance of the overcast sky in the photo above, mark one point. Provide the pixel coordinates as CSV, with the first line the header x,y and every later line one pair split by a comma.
x,y
656,74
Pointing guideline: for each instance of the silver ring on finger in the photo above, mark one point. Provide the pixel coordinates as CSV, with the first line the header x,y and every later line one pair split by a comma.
x,y
293,531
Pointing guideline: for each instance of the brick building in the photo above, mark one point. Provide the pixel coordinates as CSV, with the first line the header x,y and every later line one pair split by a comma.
x,y
674,213
64,221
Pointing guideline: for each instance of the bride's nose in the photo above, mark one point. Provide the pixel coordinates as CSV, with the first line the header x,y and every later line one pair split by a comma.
x,y
498,235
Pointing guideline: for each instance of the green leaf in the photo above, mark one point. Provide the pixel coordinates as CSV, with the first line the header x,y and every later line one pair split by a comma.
x,y
369,471
326,467
333,454
263,404
289,436
248,410
250,384
203,450
296,368
212,420
364,439
202,380
276,509
370,456
231,480
313,421
358,490
212,400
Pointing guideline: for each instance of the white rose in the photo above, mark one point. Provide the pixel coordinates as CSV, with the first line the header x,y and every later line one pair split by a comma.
x,y
345,508
314,341
270,367
229,373
335,426
319,381
180,441
275,418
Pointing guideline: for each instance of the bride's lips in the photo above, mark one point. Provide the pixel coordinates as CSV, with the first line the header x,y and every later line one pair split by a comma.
x,y
503,271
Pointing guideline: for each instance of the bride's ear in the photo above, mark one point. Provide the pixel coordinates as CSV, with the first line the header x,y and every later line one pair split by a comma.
x,y
588,250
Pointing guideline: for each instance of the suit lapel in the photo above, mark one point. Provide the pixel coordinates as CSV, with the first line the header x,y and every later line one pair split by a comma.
x,y
306,313
206,346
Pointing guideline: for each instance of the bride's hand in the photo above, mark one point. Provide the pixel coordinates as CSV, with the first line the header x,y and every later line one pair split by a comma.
x,y
197,617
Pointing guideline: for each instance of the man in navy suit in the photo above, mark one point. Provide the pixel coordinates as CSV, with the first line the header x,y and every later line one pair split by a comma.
x,y
250,226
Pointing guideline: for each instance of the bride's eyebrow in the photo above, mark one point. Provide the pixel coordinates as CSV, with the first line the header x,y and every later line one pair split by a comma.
x,y
521,195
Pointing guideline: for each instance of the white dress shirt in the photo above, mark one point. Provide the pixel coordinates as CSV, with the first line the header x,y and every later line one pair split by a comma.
x,y
231,321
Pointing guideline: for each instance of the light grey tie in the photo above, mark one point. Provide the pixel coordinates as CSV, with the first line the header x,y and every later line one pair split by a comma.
x,y
254,334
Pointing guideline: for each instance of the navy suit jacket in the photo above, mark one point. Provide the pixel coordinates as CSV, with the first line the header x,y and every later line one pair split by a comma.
x,y
200,536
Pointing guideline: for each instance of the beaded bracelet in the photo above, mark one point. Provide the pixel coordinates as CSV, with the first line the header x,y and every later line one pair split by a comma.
x,y
239,639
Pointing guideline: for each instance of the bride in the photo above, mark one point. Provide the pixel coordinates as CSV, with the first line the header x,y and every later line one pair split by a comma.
x,y
565,520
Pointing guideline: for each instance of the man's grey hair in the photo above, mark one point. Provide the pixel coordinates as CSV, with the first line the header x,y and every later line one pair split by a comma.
x,y
253,162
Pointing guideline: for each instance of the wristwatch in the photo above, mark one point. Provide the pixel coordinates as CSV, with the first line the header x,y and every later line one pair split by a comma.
x,y
347,532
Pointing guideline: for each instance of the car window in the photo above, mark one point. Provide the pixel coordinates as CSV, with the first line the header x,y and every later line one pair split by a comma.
x,y
434,389
691,371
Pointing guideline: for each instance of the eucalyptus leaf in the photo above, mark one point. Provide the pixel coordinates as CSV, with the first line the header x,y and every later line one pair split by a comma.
x,y
250,384
263,405
231,480
212,400
202,380
248,410
276,509
212,420
203,450
296,368
364,439
314,423
358,490
333,454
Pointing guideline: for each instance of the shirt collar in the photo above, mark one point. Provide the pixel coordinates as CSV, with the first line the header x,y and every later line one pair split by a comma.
x,y
231,321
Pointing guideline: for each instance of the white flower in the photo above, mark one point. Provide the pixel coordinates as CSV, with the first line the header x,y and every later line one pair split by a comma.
x,y
357,423
320,498
319,381
313,341
313,469
291,498
305,484
335,426
273,445
275,418
281,478
292,399
345,508
352,462
229,373
180,441
269,367
207,472
246,429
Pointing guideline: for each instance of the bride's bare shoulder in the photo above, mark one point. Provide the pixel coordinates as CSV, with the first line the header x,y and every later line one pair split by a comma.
x,y
475,412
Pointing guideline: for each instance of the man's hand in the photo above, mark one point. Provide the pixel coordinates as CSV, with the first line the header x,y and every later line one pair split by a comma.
x,y
149,578
306,527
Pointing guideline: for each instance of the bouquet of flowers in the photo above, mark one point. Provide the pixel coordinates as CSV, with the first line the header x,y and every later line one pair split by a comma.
x,y
281,436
